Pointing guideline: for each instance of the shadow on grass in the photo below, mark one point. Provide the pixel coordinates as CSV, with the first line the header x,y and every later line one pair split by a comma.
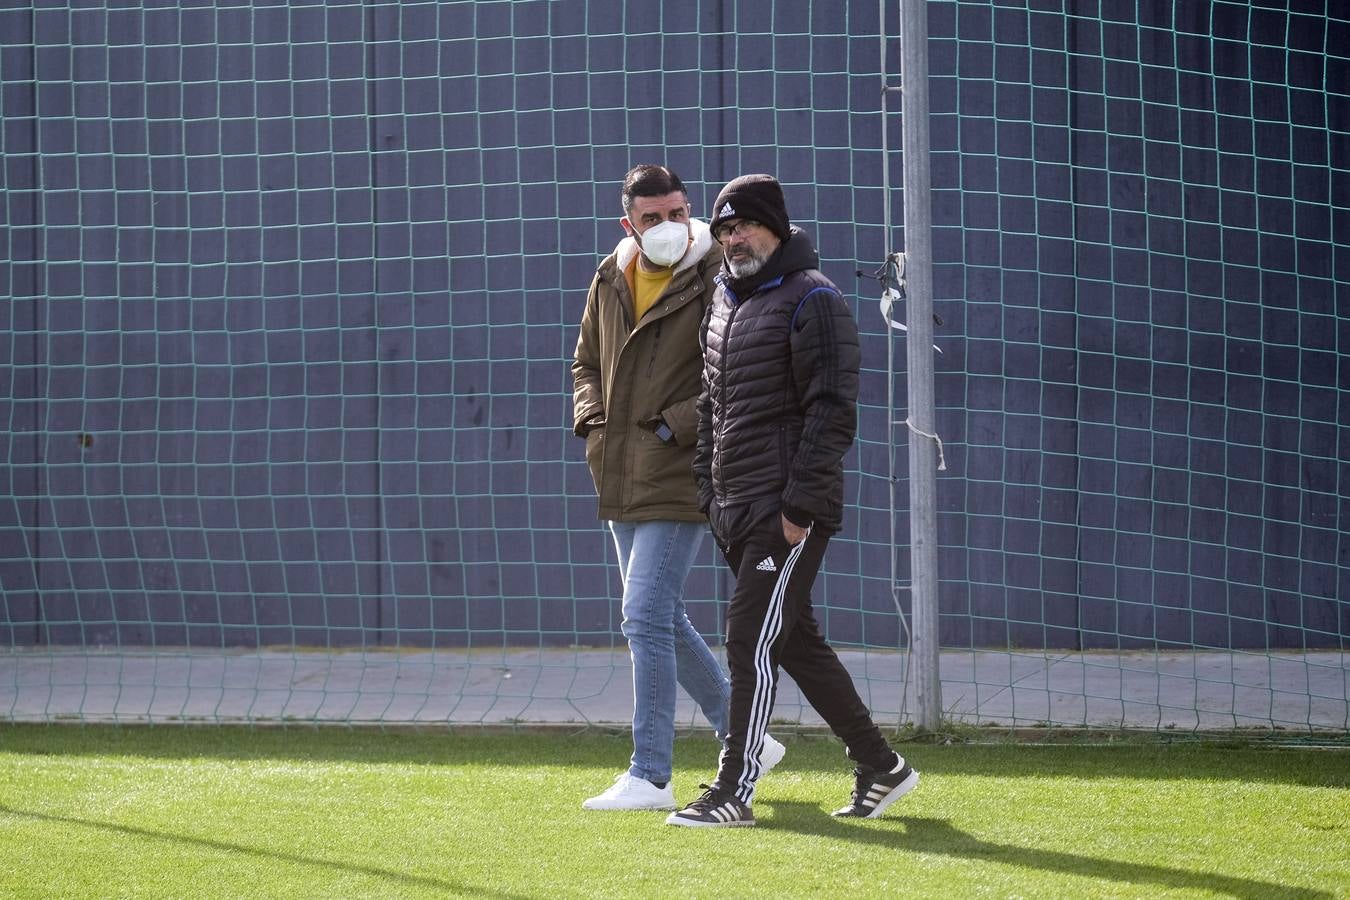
x,y
937,836
1206,762
398,878
610,750
302,743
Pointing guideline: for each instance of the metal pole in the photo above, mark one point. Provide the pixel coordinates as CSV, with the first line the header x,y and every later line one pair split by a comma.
x,y
890,337
923,448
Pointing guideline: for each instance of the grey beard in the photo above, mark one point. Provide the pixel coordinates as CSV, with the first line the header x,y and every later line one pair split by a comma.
x,y
748,267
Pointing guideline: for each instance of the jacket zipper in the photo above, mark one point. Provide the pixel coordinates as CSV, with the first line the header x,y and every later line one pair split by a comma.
x,y
722,379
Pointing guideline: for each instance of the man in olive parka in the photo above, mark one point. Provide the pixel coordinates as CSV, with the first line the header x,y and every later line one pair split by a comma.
x,y
637,375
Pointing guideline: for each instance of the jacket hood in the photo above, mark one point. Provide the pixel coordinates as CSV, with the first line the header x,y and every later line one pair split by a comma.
x,y
793,255
627,248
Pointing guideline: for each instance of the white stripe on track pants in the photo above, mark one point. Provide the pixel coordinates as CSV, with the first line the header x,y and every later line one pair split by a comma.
x,y
770,624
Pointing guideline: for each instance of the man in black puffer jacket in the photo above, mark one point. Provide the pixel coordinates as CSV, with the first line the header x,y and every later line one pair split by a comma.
x,y
777,413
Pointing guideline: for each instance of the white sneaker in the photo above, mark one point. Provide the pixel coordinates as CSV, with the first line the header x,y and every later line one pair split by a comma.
x,y
771,755
630,792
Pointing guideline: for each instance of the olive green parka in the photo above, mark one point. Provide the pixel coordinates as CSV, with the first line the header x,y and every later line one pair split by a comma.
x,y
626,375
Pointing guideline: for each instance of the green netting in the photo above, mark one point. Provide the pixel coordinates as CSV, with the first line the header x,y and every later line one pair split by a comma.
x,y
292,290
1143,213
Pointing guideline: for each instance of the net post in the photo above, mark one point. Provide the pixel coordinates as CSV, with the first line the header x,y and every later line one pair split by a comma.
x,y
919,350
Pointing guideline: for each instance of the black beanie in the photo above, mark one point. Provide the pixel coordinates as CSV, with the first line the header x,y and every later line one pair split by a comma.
x,y
758,197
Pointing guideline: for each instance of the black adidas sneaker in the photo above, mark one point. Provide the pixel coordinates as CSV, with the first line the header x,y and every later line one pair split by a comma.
x,y
875,790
715,809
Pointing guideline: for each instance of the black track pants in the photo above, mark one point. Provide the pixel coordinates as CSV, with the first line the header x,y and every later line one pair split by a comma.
x,y
770,623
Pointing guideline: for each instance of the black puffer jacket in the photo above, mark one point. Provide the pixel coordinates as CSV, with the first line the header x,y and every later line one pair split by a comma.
x,y
779,404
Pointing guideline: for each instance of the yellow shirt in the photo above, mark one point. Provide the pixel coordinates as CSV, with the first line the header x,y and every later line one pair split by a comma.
x,y
647,286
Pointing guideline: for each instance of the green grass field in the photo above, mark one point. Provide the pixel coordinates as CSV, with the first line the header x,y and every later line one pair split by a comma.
x,y
214,812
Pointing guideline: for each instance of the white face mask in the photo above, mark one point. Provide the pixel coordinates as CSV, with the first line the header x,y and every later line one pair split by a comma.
x,y
665,244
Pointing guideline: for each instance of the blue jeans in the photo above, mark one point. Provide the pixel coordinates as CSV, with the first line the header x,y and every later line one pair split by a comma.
x,y
654,559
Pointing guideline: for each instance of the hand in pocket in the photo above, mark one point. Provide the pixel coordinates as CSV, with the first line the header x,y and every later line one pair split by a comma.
x,y
794,534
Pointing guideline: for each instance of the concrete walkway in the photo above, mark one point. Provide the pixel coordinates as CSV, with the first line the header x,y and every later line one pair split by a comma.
x,y
1184,690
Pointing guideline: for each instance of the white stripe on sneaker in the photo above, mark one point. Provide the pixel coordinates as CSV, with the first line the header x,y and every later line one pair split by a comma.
x,y
900,790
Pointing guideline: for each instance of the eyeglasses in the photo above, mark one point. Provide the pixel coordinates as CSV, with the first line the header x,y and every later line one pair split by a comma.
x,y
741,226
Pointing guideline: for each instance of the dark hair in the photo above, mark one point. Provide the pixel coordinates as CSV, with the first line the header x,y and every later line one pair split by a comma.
x,y
650,181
